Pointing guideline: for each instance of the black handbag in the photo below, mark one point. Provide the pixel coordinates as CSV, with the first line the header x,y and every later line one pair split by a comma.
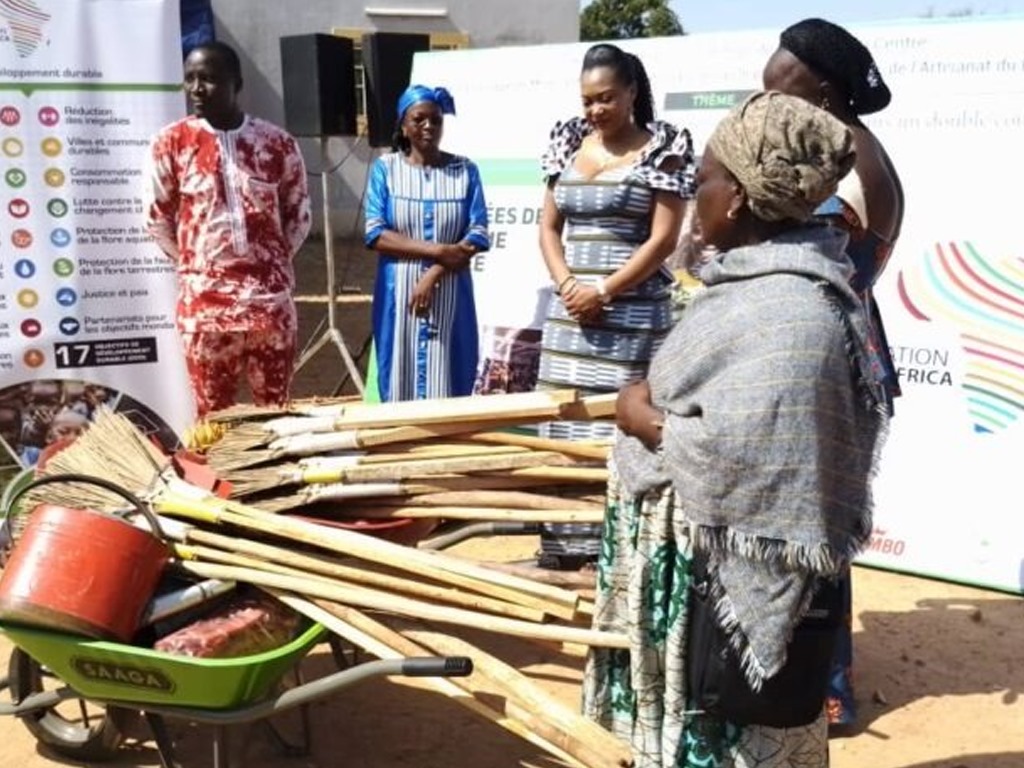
x,y
793,697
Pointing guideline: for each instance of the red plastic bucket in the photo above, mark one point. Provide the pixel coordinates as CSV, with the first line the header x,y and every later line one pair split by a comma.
x,y
82,572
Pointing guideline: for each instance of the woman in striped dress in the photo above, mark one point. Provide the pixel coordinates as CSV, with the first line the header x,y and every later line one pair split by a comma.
x,y
426,218
616,184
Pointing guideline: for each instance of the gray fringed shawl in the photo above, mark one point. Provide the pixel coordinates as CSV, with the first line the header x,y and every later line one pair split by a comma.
x,y
772,425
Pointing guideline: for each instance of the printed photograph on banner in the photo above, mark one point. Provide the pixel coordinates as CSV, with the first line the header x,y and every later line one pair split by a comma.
x,y
38,418
509,360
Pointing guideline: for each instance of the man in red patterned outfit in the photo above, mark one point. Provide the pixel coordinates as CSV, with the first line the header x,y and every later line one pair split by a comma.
x,y
230,206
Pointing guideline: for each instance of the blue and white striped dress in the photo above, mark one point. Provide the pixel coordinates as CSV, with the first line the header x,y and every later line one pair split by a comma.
x,y
433,355
606,218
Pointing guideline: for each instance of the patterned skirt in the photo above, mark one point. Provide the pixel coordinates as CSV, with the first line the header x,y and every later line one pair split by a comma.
x,y
640,694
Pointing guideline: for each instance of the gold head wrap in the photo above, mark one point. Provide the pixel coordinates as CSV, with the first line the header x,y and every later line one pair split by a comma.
x,y
787,154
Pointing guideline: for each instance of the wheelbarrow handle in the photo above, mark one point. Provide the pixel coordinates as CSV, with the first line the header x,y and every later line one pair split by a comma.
x,y
445,666
36,702
307,693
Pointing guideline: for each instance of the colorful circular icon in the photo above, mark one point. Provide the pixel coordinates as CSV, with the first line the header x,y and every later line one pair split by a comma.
x,y
64,267
31,328
51,146
69,326
33,358
12,147
54,177
61,238
28,298
21,238
49,116
57,208
19,208
15,177
66,297
24,268
9,116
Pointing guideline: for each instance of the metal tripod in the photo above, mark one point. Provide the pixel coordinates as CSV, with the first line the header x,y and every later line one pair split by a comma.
x,y
332,333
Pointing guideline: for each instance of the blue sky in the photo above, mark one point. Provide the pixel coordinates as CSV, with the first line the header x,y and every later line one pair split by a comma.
x,y
717,15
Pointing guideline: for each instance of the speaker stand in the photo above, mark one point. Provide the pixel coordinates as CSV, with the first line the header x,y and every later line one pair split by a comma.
x,y
332,333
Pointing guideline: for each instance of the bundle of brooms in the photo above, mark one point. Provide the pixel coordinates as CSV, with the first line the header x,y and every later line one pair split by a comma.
x,y
451,459
335,576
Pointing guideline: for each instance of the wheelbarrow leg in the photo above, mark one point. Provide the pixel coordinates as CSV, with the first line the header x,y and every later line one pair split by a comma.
x,y
221,758
164,745
285,746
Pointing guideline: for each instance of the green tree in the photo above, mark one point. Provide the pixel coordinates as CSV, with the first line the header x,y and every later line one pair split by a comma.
x,y
624,19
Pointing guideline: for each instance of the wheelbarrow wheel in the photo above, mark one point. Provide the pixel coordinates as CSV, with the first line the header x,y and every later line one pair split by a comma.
x,y
76,728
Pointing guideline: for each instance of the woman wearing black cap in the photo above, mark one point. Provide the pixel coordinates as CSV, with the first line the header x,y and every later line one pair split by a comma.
x,y
824,64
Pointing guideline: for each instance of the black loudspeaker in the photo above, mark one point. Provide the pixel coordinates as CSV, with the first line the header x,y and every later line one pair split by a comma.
x,y
387,66
318,73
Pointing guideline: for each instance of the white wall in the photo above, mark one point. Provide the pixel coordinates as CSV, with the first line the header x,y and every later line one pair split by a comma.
x,y
254,28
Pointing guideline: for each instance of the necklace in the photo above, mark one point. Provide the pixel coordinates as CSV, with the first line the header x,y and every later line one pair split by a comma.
x,y
607,158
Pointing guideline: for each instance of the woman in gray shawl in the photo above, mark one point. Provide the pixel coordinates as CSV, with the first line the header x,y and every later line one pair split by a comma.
x,y
752,442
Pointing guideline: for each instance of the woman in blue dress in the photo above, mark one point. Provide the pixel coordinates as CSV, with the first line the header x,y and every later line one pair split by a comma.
x,y
426,218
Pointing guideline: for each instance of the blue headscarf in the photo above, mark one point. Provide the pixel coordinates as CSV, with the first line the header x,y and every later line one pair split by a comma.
x,y
414,94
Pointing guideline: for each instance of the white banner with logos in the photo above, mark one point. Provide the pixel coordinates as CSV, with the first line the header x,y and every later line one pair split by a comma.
x,y
952,296
87,301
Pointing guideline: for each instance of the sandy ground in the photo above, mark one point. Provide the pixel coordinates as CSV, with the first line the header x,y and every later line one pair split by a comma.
x,y
938,677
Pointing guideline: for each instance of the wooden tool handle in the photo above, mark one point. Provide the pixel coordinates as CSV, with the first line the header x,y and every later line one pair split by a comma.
x,y
509,499
249,554
567,447
385,643
409,607
507,678
482,514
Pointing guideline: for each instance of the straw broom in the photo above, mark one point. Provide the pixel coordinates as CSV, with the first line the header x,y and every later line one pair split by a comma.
x,y
443,413
358,469
311,406
113,448
515,480
231,452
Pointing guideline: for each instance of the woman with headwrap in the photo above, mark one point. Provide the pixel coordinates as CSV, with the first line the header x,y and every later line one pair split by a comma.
x,y
751,444
826,65
426,217
617,181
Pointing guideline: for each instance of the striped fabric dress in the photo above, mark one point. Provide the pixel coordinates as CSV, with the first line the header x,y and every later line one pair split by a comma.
x,y
606,218
432,355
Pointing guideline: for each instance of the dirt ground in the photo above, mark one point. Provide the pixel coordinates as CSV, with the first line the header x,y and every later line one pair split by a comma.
x,y
939,683
939,686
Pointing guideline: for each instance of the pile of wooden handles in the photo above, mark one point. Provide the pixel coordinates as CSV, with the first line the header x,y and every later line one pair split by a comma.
x,y
450,459
433,590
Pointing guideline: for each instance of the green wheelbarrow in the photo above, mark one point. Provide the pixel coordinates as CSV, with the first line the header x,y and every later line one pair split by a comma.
x,y
78,695
101,686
